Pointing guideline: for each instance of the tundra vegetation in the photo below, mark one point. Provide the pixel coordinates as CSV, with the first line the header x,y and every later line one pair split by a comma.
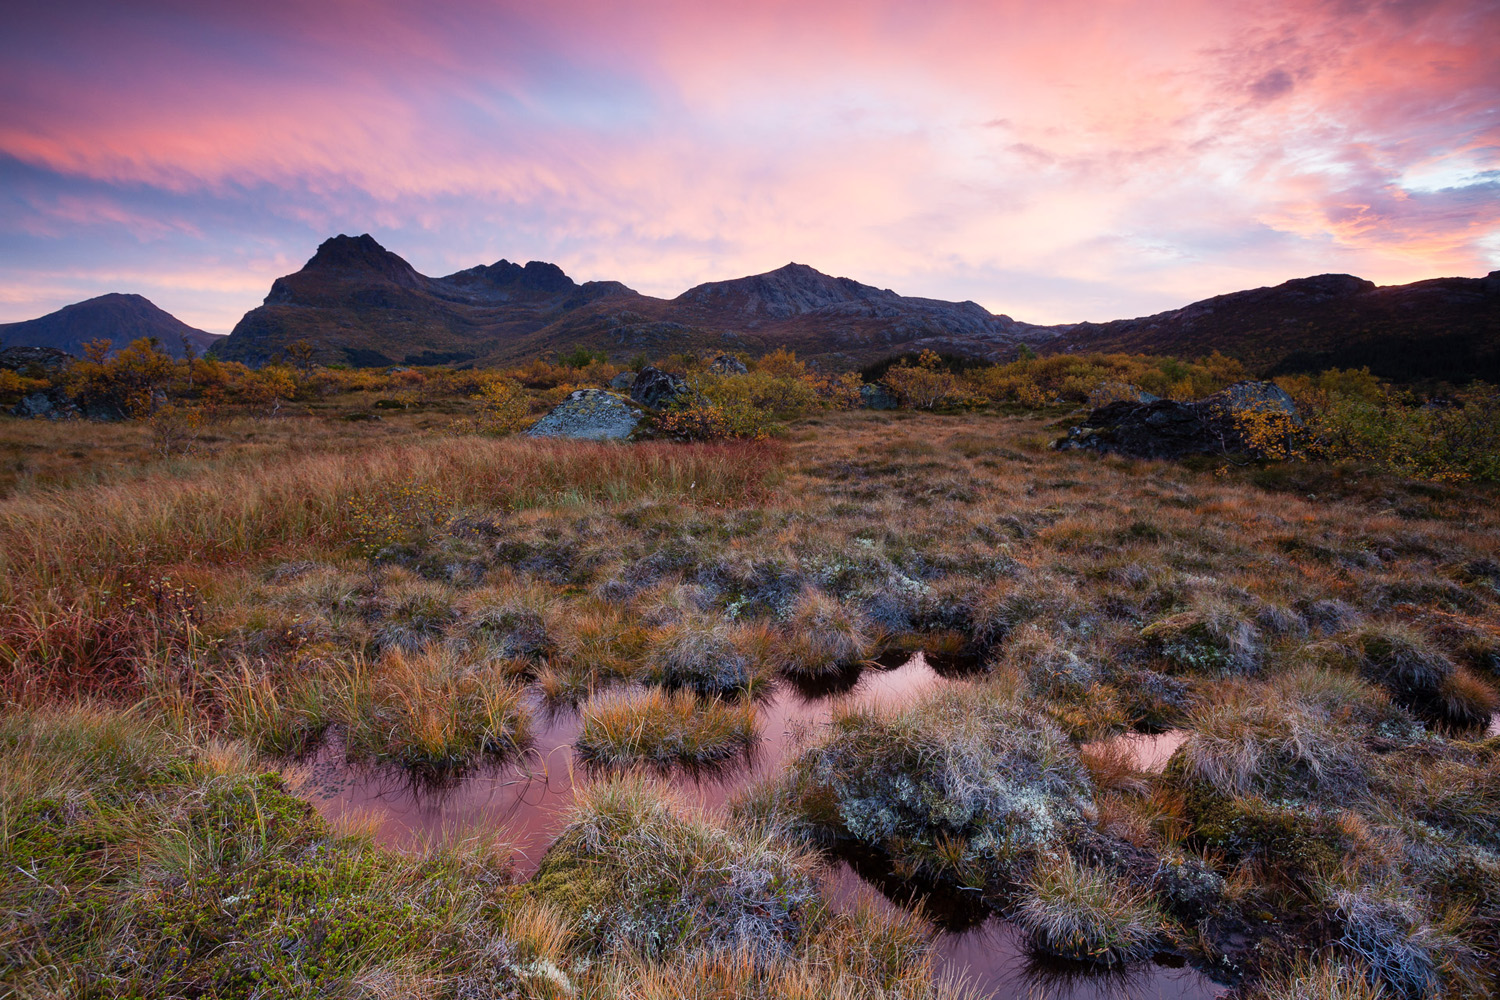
x,y
251,566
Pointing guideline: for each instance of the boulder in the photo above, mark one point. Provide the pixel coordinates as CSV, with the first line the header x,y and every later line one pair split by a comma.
x,y
590,415
658,389
1166,428
54,404
876,397
622,381
726,364
1114,391
40,360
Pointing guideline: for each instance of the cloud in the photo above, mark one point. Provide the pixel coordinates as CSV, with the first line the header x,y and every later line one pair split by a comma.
x,y
1148,152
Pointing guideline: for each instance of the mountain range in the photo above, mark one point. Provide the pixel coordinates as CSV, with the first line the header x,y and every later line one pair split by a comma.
x,y
114,317
359,304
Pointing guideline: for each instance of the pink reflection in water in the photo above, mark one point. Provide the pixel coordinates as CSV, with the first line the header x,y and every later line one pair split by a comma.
x,y
526,800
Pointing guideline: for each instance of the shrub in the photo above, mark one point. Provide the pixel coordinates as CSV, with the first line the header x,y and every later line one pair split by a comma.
x,y
925,384
504,407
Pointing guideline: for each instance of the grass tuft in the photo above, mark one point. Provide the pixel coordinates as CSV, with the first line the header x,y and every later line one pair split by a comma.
x,y
665,728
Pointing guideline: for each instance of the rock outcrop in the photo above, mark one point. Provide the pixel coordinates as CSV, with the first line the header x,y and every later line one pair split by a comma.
x,y
39,360
590,415
727,364
1169,429
658,389
876,397
622,381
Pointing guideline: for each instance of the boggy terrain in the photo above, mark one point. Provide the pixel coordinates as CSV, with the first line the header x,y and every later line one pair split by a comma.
x,y
1321,645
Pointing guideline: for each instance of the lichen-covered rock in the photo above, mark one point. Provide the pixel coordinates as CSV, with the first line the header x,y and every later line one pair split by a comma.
x,y
726,364
590,415
964,780
658,389
1168,429
876,397
622,381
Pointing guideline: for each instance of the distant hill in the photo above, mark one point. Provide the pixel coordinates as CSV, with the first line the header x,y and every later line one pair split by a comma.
x,y
114,317
358,303
1444,329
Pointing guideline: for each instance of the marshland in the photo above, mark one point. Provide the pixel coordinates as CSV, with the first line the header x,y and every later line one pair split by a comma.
x,y
788,697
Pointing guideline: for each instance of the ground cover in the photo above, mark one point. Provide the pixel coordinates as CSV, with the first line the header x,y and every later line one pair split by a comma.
x,y
1327,638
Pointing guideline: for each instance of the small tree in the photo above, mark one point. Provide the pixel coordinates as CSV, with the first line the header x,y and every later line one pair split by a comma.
x,y
924,385
504,407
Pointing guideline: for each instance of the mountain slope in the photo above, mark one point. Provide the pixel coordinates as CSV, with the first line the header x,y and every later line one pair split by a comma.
x,y
358,303
115,317
1442,329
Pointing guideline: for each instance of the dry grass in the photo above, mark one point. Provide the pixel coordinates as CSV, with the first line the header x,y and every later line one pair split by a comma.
x,y
1327,637
664,729
1087,914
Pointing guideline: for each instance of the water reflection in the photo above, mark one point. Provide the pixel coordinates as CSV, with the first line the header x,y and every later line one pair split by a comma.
x,y
526,800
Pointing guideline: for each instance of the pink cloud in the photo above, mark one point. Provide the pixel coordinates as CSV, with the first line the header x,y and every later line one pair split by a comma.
x,y
1180,148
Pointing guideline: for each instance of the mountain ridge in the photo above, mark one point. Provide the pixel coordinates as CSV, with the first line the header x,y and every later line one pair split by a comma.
x,y
119,317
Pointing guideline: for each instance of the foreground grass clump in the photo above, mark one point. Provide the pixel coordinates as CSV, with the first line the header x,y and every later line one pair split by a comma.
x,y
640,874
965,783
826,636
430,709
665,728
136,863
1084,913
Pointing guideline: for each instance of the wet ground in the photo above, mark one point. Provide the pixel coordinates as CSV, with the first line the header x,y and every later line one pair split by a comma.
x,y
526,801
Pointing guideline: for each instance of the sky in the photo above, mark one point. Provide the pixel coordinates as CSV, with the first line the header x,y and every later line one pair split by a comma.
x,y
1055,161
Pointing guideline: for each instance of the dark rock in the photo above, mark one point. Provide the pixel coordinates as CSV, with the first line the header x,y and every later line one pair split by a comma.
x,y
726,364
658,389
590,415
624,380
35,405
1168,429
876,397
43,360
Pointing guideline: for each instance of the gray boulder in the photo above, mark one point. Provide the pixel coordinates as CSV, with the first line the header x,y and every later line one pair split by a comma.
x,y
1168,429
658,389
876,397
622,381
726,364
53,405
590,415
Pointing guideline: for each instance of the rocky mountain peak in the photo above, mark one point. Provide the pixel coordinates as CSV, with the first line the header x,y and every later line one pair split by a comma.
x,y
361,255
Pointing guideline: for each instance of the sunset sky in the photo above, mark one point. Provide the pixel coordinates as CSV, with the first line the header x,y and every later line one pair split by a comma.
x,y
1054,161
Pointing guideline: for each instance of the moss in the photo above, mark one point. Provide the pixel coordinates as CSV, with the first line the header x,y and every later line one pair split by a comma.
x,y
1213,642
1295,841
